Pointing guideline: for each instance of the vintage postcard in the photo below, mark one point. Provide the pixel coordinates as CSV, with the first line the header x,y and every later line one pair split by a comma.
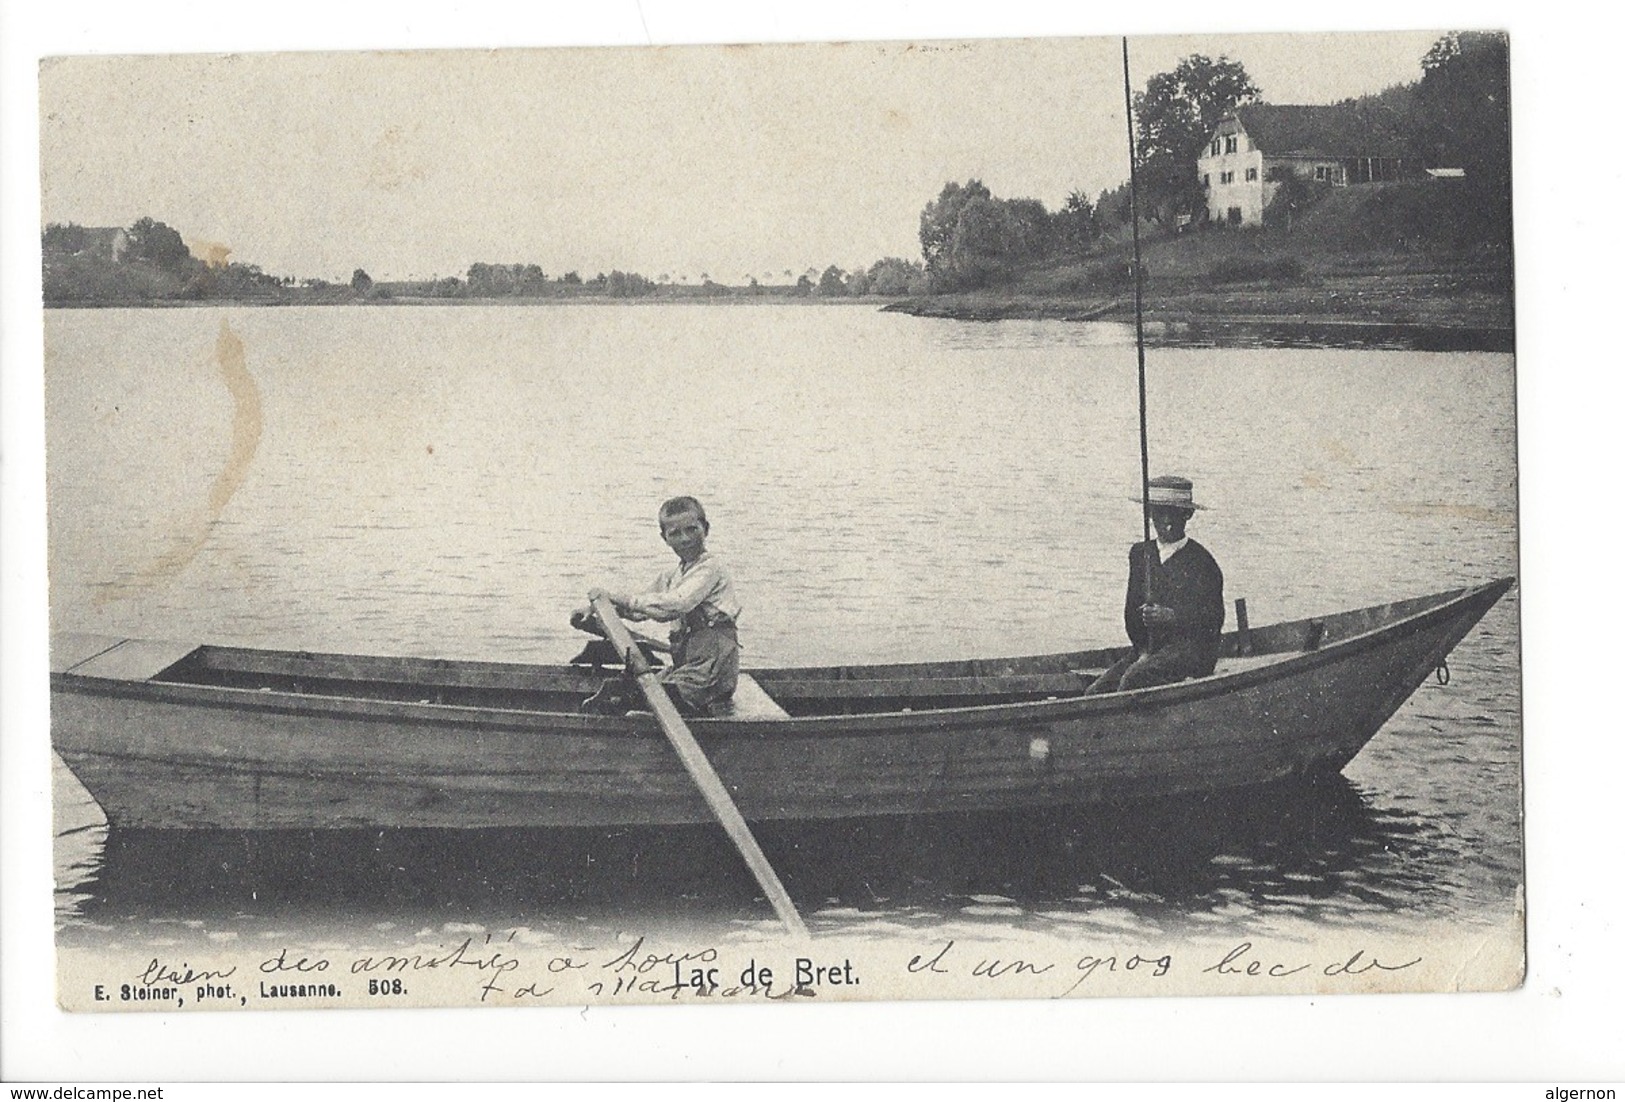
x,y
783,523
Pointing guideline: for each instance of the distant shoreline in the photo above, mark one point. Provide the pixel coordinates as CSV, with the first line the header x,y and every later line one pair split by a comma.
x,y
742,299
1280,317
1164,327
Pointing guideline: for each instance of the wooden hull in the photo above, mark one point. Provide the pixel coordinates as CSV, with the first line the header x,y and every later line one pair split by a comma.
x,y
163,753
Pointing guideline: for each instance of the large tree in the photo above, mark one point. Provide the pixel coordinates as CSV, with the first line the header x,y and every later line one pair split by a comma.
x,y
1462,110
161,246
832,284
1075,225
992,239
893,275
1112,207
969,238
64,238
1173,117
940,219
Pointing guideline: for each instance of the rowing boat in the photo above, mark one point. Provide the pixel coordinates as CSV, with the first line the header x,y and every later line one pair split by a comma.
x,y
182,736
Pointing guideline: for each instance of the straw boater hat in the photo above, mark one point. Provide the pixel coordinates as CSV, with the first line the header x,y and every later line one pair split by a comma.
x,y
1171,490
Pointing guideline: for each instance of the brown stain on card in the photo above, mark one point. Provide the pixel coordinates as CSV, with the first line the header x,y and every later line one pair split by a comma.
x,y
213,253
247,423
396,160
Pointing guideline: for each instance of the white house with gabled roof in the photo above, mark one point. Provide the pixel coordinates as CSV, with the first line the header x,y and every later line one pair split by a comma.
x,y
1253,148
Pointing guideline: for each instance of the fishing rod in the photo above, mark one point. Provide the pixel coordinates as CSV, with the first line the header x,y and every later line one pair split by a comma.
x,y
1139,319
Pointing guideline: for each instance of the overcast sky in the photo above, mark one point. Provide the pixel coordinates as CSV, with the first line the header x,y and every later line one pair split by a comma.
x,y
679,161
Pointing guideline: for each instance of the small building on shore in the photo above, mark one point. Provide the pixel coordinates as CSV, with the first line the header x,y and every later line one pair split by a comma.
x,y
106,243
1255,148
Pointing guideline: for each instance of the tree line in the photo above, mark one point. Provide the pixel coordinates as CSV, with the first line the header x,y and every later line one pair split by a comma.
x,y
888,276
154,264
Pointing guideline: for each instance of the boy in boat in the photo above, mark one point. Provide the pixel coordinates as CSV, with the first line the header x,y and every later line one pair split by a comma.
x,y
697,598
1174,611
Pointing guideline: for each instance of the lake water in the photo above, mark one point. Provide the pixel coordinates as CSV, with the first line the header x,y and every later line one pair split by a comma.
x,y
449,481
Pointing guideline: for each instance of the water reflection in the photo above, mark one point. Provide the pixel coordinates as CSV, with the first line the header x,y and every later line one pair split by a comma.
x,y
1324,851
1328,334
1020,333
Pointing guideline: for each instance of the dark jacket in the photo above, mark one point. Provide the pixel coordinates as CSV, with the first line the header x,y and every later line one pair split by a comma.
x,y
1191,584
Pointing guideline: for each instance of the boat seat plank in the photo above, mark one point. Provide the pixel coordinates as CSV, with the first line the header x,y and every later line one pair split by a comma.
x,y
750,701
874,688
129,659
398,671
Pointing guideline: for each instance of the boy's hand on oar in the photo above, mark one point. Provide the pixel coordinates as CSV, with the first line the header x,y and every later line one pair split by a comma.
x,y
619,600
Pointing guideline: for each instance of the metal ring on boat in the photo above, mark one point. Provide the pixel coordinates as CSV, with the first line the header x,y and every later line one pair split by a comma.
x,y
1441,674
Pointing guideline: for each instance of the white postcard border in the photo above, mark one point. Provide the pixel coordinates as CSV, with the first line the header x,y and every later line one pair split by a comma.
x,y
1555,1025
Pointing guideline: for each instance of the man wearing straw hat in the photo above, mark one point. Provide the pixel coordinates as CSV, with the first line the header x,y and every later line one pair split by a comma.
x,y
1174,611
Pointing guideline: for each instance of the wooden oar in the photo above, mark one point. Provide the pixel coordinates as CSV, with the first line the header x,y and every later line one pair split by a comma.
x,y
699,767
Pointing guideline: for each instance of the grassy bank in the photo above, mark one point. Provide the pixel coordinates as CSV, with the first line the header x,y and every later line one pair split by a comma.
x,y
1397,255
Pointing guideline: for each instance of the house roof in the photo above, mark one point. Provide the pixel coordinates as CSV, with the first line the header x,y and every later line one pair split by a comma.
x,y
1336,130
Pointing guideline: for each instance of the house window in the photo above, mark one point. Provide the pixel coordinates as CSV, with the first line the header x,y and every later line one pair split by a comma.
x,y
1234,216
1229,144
1320,172
1205,179
1227,177
1252,174
1214,149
